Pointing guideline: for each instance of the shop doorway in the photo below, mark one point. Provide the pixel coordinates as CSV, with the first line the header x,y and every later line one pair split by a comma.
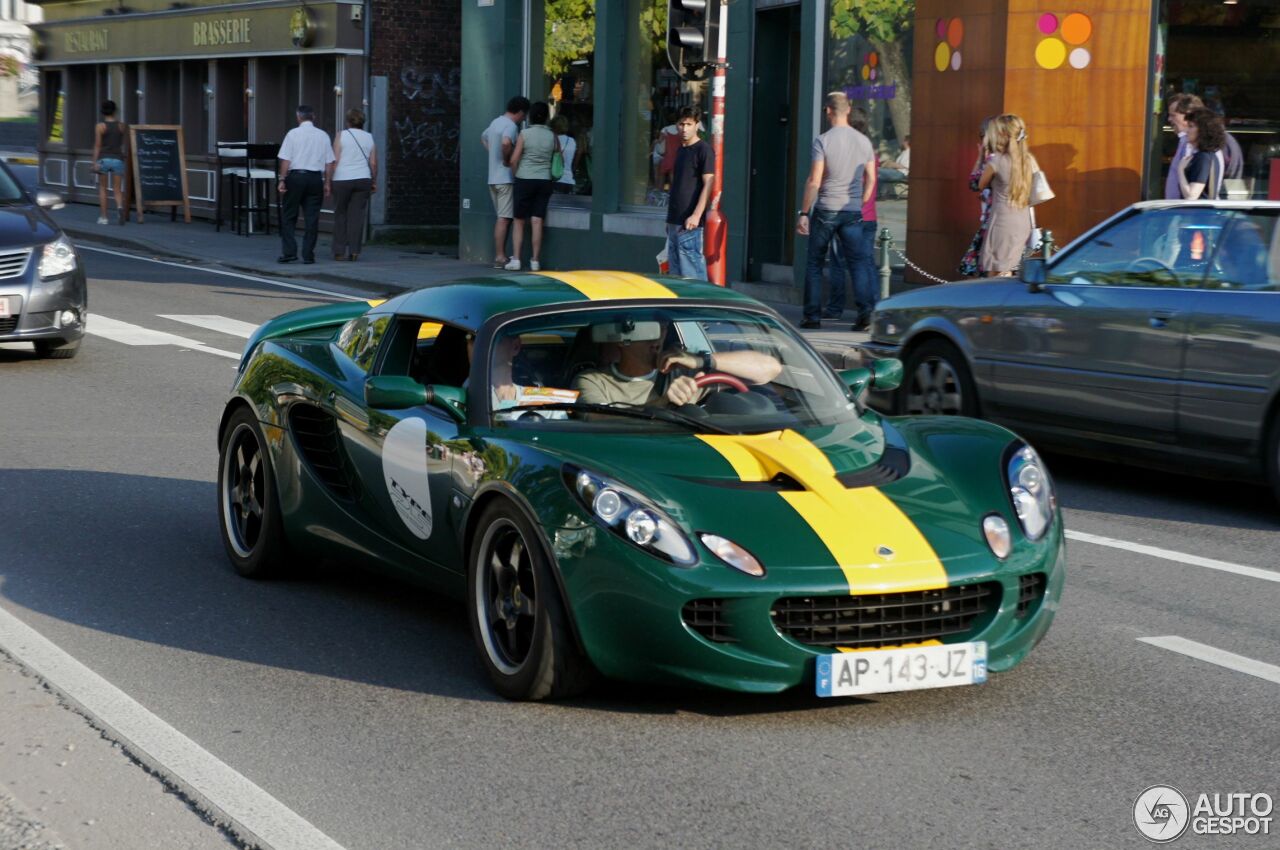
x,y
774,126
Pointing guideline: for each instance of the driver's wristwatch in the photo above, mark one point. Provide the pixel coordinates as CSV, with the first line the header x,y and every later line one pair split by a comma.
x,y
708,361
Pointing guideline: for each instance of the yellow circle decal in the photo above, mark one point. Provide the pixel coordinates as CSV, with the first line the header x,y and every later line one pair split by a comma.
x,y
942,56
1051,53
866,72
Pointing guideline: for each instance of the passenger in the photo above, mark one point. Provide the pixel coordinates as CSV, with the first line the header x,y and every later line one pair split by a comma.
x,y
633,371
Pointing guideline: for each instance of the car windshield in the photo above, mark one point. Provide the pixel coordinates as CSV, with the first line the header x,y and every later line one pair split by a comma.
x,y
700,369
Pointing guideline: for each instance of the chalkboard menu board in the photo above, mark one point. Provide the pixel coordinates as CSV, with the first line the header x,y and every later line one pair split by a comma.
x,y
159,167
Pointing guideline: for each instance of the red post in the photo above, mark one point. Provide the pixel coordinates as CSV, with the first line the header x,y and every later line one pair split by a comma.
x,y
716,235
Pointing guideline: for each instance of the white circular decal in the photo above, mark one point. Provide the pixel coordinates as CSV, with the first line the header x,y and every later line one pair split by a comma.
x,y
404,468
1161,813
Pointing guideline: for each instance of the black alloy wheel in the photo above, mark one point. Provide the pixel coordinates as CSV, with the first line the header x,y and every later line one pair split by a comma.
x,y
937,382
248,509
517,616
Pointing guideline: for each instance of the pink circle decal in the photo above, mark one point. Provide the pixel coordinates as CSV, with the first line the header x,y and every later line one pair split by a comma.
x,y
1048,23
1079,58
955,61
941,27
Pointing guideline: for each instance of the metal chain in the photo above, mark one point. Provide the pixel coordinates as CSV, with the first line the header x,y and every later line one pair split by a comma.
x,y
917,269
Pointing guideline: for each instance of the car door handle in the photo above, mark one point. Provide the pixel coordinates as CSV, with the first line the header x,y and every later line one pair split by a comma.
x,y
1160,319
333,396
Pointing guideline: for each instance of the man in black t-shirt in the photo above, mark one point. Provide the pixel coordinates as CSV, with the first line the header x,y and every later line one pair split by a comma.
x,y
690,193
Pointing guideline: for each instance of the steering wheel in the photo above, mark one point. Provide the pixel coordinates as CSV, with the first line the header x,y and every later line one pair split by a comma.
x,y
1161,265
724,378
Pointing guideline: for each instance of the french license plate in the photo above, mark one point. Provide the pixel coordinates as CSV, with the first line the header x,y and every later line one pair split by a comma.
x,y
880,671
4,307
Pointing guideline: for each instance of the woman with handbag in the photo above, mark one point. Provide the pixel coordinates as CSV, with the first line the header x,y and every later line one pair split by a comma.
x,y
537,162
355,176
986,143
1009,174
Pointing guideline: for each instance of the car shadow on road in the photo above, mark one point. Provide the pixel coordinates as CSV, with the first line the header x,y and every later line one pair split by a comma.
x,y
1106,487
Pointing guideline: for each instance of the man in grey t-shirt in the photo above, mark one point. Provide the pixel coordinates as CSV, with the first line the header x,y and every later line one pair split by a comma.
x,y
499,139
842,177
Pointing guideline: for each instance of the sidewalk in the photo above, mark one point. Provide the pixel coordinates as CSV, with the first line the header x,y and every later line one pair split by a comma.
x,y
382,270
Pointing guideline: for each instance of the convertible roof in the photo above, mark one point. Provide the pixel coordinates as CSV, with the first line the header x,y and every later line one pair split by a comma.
x,y
470,302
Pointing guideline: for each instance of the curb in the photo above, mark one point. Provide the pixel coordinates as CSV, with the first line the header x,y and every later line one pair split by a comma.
x,y
112,241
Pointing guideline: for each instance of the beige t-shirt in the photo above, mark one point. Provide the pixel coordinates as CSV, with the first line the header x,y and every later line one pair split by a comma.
x,y
598,387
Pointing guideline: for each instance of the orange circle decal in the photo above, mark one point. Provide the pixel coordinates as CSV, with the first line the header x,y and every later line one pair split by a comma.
x,y
1076,28
955,32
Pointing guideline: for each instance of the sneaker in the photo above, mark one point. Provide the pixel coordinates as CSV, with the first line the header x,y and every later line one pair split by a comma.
x,y
513,265
500,263
102,219
535,266
858,326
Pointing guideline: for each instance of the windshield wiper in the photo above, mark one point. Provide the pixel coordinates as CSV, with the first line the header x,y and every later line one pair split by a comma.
x,y
653,414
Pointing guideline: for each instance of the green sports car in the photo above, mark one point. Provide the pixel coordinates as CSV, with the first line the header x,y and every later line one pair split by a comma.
x,y
644,478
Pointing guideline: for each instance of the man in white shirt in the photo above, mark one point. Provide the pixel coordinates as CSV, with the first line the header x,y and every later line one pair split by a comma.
x,y
304,157
499,139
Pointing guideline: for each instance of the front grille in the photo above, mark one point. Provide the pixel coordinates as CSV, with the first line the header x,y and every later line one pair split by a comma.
x,y
13,263
316,434
706,617
9,325
1030,592
886,619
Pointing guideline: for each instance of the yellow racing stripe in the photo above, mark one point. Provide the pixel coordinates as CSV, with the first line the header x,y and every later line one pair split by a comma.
x,y
852,523
608,286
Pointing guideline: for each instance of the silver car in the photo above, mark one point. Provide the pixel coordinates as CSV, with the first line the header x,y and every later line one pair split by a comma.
x,y
1154,337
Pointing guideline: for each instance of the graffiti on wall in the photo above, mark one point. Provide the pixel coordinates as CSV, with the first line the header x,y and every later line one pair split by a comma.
x,y
427,122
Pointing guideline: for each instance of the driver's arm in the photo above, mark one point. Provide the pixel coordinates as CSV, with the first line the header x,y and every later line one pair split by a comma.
x,y
753,366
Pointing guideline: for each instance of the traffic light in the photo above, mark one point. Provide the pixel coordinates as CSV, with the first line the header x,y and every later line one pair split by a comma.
x,y
693,36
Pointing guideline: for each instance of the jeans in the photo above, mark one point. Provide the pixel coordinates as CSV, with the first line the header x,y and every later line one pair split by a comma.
x,y
303,189
824,227
866,289
684,252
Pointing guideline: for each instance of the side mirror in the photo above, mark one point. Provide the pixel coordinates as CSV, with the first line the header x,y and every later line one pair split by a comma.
x,y
49,200
394,392
1033,273
885,374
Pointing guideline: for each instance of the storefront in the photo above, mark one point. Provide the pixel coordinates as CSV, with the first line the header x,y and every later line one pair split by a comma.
x,y
1089,78
229,72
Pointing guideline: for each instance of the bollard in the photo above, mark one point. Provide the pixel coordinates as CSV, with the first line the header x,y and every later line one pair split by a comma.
x,y
884,241
1048,245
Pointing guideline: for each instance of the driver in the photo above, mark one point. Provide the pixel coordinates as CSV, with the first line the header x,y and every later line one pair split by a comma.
x,y
637,374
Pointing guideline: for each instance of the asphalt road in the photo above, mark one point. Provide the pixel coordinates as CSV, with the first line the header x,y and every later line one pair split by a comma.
x,y
360,705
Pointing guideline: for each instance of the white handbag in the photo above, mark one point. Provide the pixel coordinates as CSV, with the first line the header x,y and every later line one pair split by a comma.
x,y
1040,189
1036,240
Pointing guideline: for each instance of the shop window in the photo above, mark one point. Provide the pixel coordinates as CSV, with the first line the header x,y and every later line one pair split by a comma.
x,y
1224,54
565,79
652,94
869,58
55,122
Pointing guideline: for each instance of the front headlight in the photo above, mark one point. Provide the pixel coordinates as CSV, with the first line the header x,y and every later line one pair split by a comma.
x,y
57,258
630,516
1031,492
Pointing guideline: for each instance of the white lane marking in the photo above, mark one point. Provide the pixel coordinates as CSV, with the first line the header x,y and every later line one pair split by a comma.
x,y
114,329
1170,555
1213,655
253,813
266,280
221,324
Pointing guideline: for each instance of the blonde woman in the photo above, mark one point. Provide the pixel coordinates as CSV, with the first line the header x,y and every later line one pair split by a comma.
x,y
1008,174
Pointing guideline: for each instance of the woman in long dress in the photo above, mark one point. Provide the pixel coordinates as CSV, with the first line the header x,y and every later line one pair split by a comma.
x,y
1008,174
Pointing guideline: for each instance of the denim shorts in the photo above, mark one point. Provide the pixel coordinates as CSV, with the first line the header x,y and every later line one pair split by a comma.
x,y
110,165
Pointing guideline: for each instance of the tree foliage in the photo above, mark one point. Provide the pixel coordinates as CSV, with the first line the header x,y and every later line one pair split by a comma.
x,y
570,34
877,20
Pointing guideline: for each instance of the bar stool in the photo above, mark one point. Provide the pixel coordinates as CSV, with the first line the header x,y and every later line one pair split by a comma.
x,y
250,185
229,152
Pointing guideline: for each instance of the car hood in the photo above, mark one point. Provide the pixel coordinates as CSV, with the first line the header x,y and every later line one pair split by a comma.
x,y
846,508
24,225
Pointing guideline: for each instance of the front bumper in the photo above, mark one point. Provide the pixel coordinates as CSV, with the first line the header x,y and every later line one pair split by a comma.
x,y
39,304
629,615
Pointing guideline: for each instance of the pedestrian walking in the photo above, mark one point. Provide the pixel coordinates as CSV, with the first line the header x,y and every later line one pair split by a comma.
x,y
304,158
1008,174
986,142
110,141
1200,171
531,166
499,140
569,149
355,179
692,174
841,180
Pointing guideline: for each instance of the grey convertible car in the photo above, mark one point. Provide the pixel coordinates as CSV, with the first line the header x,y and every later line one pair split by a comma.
x,y
1154,337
